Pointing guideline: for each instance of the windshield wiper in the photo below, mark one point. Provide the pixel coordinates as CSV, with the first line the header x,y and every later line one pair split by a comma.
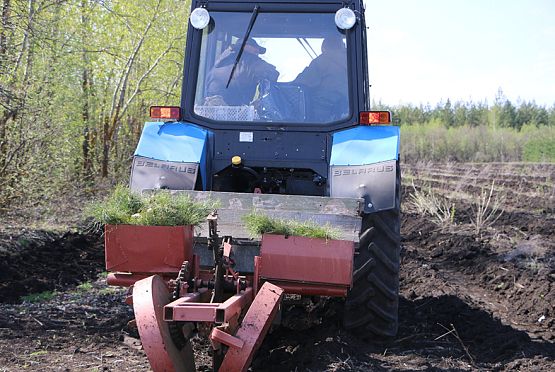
x,y
245,38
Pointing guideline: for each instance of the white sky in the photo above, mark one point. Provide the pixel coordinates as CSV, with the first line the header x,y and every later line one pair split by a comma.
x,y
425,51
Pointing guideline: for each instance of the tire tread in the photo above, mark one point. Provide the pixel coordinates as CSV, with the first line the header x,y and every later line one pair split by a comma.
x,y
371,307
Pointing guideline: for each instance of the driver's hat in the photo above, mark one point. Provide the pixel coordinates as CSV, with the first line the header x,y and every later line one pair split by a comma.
x,y
252,43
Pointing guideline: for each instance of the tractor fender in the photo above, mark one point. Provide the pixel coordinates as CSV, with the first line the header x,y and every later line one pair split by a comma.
x,y
169,156
363,164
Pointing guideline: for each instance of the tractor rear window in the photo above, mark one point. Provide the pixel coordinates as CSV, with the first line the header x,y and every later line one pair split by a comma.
x,y
292,68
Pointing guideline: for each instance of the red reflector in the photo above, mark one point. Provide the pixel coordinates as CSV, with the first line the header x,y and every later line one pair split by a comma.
x,y
374,117
165,112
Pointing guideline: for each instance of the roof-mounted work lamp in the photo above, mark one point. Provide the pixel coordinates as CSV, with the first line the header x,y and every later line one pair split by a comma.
x,y
200,18
345,18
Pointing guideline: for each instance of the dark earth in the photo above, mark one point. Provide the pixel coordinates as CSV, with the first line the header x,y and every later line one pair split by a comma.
x,y
470,300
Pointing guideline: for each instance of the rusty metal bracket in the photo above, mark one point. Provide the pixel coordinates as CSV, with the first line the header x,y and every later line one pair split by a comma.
x,y
253,329
187,309
226,339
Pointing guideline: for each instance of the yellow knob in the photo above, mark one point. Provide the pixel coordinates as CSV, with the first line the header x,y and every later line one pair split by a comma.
x,y
236,160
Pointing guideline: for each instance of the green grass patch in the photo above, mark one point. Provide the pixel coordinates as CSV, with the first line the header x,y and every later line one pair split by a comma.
x,y
108,291
159,209
23,242
39,297
85,287
258,224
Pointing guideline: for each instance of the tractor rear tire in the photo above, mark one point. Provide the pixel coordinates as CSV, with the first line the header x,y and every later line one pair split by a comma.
x,y
371,307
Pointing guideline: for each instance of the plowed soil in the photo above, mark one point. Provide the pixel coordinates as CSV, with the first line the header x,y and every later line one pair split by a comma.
x,y
472,297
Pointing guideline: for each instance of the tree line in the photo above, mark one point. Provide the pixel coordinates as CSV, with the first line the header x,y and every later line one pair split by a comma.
x,y
502,113
476,131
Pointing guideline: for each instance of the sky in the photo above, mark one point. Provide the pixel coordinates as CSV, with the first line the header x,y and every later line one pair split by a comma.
x,y
428,51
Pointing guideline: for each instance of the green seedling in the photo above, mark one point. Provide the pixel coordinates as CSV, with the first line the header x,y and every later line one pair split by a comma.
x,y
258,224
158,209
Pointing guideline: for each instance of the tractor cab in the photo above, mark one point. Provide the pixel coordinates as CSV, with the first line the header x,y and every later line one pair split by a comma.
x,y
275,64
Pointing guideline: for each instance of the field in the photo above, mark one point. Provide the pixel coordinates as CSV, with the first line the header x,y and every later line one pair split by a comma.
x,y
477,288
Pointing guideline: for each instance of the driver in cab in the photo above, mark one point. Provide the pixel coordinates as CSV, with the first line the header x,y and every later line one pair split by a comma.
x,y
250,69
325,79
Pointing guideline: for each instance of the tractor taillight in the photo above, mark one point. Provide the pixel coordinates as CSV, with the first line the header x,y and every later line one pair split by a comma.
x,y
374,117
165,112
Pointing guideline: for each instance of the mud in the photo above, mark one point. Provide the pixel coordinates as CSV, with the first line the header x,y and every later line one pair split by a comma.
x,y
469,301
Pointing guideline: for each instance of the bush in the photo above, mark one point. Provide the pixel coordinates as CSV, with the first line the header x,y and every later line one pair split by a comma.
x,y
159,209
541,148
432,141
258,224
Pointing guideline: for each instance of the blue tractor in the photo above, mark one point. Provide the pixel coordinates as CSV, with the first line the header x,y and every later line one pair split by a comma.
x,y
275,116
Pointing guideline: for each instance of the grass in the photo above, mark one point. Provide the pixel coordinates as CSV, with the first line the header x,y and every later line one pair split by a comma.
x,y
85,287
24,242
109,291
258,224
103,275
39,297
159,209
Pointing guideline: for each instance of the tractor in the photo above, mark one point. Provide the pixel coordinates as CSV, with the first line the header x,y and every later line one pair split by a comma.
x,y
274,117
